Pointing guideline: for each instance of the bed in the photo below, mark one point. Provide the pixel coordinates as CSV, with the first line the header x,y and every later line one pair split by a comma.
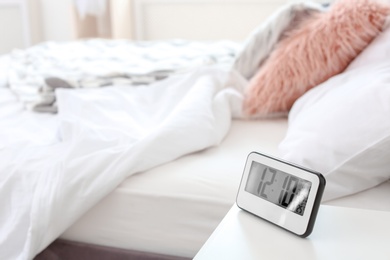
x,y
102,163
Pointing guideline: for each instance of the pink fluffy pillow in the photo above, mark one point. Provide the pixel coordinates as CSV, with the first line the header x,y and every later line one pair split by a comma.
x,y
320,48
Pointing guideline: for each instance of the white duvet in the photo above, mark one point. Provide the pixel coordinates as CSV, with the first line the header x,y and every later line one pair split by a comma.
x,y
103,136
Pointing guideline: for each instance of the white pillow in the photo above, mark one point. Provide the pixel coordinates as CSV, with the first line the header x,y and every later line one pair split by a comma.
x,y
341,128
378,51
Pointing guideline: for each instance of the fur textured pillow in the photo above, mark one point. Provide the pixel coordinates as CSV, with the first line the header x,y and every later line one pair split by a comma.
x,y
320,48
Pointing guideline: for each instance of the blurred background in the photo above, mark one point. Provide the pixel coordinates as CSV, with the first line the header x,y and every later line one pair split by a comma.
x,y
27,22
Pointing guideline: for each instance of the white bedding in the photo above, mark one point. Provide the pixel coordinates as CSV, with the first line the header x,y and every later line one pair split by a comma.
x,y
54,168
47,185
34,73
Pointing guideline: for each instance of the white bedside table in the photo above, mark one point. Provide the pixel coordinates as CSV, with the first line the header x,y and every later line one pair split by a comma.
x,y
339,233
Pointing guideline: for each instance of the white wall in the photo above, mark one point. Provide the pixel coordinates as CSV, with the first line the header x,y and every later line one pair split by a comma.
x,y
27,22
53,20
201,19
57,21
14,29
12,36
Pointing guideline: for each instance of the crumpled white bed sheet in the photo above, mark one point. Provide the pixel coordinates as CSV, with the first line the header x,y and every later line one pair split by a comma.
x,y
103,136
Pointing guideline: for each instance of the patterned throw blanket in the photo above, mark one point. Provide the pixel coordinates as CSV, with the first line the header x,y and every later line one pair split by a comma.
x,y
36,72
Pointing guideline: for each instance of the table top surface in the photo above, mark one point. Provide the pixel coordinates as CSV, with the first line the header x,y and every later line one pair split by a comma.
x,y
339,233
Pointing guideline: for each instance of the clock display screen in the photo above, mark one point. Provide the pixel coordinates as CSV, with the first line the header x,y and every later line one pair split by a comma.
x,y
282,189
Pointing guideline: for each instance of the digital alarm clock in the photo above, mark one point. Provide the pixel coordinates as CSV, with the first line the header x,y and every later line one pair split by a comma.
x,y
282,193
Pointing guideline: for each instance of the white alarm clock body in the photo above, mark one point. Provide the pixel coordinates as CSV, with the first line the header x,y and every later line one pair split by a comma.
x,y
282,193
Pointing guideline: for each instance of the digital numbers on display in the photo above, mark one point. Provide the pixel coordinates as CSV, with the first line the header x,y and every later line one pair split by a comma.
x,y
279,188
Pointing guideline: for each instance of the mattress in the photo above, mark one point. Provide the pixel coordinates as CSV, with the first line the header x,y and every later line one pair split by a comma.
x,y
172,209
